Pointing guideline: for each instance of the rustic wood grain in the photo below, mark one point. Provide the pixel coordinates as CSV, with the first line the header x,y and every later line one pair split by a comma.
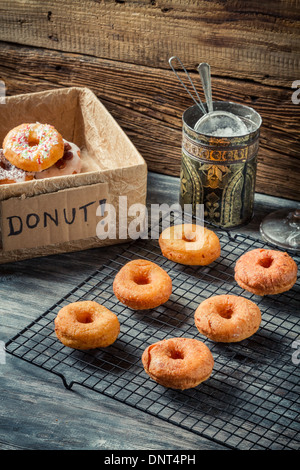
x,y
148,103
250,39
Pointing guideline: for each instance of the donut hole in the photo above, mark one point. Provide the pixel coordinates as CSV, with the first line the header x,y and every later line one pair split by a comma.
x,y
176,354
32,139
225,311
33,142
84,317
189,237
141,279
266,262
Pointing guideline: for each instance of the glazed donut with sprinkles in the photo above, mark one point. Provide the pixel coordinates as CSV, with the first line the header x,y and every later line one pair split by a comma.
x,y
37,151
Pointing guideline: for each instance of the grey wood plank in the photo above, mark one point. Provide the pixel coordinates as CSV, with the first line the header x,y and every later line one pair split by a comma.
x,y
37,412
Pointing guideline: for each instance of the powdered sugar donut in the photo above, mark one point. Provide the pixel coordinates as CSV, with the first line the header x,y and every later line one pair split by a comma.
x,y
69,164
10,173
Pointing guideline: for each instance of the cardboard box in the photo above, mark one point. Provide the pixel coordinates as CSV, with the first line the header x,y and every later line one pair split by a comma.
x,y
56,215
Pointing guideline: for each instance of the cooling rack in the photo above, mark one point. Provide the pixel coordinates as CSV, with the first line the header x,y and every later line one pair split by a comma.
x,y
251,400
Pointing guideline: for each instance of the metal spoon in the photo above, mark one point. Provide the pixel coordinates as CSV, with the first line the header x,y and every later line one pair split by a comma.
x,y
199,102
204,72
217,123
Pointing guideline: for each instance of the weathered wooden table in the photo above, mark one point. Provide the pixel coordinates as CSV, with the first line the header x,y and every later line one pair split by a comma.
x,y
36,410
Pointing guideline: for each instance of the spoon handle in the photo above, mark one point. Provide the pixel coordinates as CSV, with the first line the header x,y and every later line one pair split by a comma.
x,y
204,71
198,103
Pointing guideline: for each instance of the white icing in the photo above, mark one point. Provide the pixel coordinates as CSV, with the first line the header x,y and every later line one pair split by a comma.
x,y
11,172
72,166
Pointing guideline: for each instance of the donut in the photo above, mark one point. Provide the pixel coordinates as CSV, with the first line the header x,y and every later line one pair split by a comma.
x,y
178,363
227,318
69,164
33,147
190,244
265,272
86,325
141,284
10,174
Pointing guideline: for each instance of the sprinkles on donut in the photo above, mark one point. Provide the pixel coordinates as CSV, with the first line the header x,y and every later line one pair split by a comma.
x,y
37,151
33,147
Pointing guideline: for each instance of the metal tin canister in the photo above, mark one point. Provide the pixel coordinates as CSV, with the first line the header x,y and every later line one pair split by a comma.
x,y
220,172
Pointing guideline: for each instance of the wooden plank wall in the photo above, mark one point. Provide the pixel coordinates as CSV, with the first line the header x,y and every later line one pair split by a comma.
x,y
120,50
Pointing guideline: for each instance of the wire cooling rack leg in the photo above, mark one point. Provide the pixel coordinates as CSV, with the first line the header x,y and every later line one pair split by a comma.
x,y
67,385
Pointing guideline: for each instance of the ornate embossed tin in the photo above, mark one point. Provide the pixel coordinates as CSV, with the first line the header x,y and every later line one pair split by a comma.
x,y
220,172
